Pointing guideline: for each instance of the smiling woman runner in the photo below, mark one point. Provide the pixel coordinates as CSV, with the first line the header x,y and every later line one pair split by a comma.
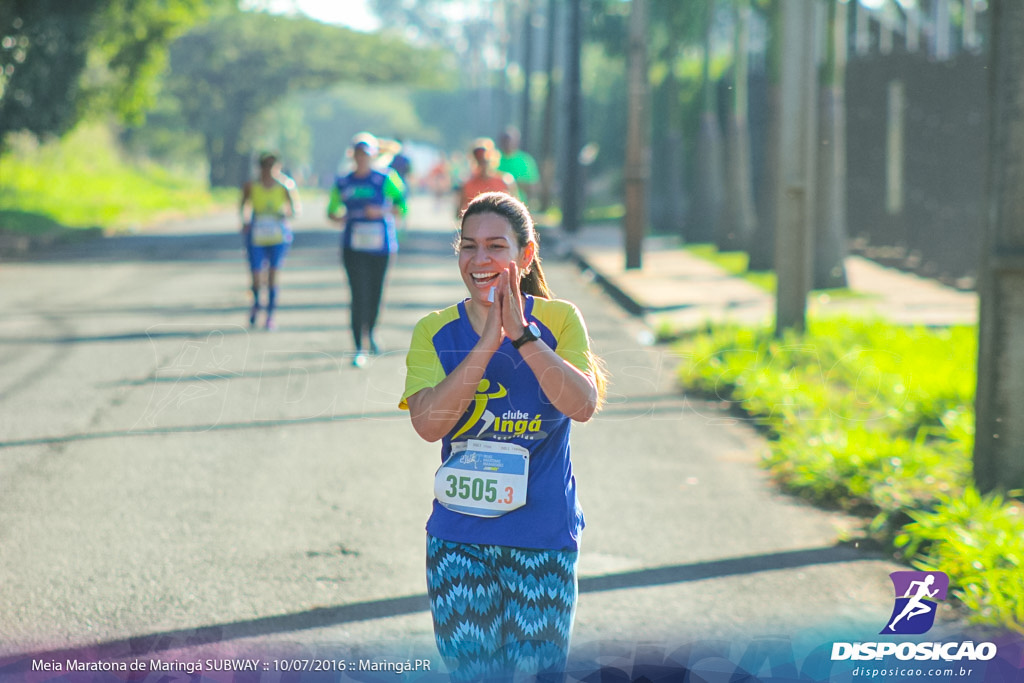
x,y
498,378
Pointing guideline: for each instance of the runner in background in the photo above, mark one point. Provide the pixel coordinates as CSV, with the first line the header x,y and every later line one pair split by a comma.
x,y
483,177
519,164
439,180
266,206
401,164
498,379
365,204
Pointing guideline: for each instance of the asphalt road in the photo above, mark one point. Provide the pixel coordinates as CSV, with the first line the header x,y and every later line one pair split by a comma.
x,y
173,481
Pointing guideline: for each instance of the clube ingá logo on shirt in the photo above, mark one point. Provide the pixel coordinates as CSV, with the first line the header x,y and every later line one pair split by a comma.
x,y
917,596
509,424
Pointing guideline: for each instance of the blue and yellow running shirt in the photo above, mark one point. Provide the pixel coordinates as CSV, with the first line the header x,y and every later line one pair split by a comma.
x,y
509,406
384,190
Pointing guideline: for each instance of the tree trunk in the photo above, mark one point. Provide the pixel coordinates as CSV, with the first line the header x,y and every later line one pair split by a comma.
x,y
830,225
667,188
525,141
637,147
572,194
741,220
794,234
547,164
710,186
762,246
999,433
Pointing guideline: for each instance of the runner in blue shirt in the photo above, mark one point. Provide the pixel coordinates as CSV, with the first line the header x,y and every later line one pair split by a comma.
x,y
498,378
371,199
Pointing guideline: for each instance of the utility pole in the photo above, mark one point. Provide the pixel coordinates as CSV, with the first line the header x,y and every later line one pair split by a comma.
x,y
999,427
571,191
794,207
637,149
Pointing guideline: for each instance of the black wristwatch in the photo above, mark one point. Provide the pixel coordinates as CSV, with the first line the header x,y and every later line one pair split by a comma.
x,y
531,333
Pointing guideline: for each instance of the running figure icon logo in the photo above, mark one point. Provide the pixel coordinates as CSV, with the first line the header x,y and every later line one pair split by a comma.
x,y
917,596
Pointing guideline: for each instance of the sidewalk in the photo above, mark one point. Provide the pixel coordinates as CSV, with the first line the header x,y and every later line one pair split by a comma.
x,y
677,288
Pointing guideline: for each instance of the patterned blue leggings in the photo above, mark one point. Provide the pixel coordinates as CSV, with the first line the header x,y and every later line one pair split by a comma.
x,y
500,612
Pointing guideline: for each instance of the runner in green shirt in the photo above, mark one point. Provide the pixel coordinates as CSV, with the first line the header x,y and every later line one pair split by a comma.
x,y
518,163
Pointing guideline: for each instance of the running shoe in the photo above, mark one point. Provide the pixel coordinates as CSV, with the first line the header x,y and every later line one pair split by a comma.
x,y
359,360
271,324
252,315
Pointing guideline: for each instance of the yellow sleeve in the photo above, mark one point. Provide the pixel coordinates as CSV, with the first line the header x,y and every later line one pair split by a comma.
x,y
423,367
566,322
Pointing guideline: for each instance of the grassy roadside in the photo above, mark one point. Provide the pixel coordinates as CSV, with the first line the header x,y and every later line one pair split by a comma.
x,y
878,420
82,181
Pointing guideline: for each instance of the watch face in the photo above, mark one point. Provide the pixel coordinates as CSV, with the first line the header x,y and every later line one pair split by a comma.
x,y
533,329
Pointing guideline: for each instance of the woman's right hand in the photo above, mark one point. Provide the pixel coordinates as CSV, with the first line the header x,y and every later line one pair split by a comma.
x,y
492,334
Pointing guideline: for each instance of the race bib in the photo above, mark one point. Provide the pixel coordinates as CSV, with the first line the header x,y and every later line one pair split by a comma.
x,y
267,231
367,236
483,478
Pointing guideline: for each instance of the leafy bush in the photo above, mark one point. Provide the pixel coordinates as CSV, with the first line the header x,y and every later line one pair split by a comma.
x,y
82,181
877,419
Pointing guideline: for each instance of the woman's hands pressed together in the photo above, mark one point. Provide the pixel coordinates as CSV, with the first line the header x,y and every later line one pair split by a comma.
x,y
505,314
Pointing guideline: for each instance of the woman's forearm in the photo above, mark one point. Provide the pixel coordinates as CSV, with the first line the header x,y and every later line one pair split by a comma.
x,y
571,391
436,410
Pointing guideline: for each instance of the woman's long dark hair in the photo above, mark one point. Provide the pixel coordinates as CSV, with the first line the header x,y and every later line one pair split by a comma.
x,y
532,281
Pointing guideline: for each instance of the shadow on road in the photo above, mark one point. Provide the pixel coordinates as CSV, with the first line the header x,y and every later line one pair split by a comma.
x,y
217,246
325,617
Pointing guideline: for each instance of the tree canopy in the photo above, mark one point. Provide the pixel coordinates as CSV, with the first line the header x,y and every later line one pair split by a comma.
x,y
227,71
59,59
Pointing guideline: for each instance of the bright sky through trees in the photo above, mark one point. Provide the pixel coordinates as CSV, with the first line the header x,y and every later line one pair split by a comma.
x,y
354,14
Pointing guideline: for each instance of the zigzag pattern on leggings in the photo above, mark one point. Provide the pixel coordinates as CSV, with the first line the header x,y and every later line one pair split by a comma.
x,y
498,610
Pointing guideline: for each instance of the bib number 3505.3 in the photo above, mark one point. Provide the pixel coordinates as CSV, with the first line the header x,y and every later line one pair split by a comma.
x,y
483,478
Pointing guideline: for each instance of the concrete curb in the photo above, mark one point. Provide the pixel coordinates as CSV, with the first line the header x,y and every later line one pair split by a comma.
x,y
19,244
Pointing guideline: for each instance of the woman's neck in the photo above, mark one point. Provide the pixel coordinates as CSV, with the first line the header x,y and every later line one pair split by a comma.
x,y
477,315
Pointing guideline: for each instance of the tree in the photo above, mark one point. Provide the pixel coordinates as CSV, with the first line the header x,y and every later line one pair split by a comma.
x,y
674,27
226,72
710,190
43,48
795,191
999,440
737,230
761,249
637,148
830,227
63,59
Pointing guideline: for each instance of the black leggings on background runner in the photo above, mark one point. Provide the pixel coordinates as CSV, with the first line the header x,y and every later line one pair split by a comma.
x,y
366,281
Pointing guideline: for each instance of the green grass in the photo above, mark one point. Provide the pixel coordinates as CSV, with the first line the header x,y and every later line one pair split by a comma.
x,y
83,181
878,420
